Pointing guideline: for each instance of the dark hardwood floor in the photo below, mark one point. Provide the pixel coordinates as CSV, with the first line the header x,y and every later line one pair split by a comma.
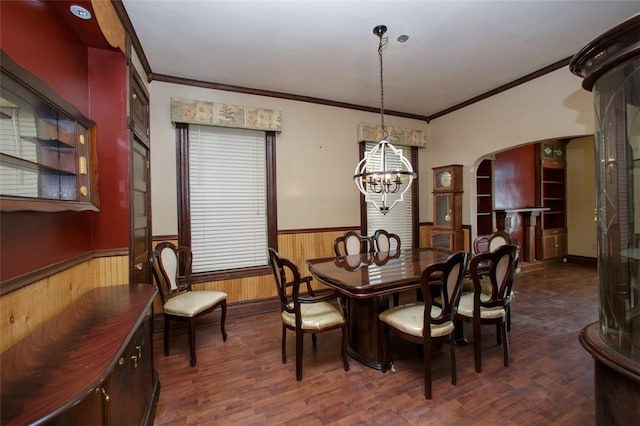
x,y
243,382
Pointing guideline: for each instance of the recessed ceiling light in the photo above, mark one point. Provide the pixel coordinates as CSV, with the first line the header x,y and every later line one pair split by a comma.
x,y
80,11
402,38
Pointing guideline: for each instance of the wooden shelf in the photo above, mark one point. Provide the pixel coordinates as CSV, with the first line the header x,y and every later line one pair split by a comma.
x,y
553,196
484,198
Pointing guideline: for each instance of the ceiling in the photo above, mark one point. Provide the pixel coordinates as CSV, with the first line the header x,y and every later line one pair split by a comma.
x,y
326,49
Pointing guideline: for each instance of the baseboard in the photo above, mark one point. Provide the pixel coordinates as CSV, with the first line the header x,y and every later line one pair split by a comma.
x,y
591,261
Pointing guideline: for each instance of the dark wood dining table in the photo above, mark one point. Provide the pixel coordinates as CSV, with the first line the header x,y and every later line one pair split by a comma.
x,y
366,280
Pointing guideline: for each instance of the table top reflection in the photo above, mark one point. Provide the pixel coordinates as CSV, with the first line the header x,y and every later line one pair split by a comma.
x,y
376,274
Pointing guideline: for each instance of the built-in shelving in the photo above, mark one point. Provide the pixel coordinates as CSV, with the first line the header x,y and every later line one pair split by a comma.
x,y
553,197
484,198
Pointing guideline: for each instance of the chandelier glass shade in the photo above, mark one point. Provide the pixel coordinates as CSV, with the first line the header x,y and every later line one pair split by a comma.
x,y
384,174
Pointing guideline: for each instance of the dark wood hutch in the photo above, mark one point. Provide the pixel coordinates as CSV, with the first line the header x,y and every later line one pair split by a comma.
x,y
82,207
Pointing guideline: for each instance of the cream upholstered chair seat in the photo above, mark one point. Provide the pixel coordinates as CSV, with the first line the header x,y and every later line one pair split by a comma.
x,y
191,303
410,319
465,307
315,316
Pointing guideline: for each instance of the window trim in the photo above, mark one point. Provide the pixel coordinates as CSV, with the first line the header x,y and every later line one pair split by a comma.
x,y
184,208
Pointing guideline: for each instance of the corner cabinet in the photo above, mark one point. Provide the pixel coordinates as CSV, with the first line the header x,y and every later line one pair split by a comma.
x,y
553,196
91,364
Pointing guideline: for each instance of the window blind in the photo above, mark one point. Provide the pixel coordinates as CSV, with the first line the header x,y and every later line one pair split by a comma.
x,y
228,198
398,219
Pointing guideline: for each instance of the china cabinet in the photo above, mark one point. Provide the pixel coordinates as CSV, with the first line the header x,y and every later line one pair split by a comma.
x,y
610,66
48,157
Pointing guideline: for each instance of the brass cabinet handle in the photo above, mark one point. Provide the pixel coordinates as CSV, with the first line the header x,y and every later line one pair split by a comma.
x,y
104,392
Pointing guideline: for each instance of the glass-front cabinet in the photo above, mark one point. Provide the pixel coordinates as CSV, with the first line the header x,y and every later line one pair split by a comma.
x,y
610,66
48,158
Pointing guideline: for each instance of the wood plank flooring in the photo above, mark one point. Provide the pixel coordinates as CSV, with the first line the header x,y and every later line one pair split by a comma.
x,y
243,382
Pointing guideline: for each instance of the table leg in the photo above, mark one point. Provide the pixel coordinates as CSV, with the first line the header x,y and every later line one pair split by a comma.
x,y
364,345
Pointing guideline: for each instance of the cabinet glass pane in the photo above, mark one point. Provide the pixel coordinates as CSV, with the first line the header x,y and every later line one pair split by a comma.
x,y
617,104
38,155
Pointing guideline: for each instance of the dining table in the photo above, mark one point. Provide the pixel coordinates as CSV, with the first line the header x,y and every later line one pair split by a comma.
x,y
365,281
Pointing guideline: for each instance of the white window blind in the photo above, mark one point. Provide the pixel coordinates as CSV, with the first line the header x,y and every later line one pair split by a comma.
x,y
398,219
228,198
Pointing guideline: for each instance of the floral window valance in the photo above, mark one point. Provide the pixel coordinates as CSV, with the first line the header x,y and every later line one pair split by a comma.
x,y
368,132
225,115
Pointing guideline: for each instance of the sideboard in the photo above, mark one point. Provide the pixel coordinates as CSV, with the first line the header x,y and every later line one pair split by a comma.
x,y
90,364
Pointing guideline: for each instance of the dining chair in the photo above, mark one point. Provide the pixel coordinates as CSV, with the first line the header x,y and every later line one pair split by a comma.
x,y
384,241
352,242
304,313
489,303
426,322
171,266
480,244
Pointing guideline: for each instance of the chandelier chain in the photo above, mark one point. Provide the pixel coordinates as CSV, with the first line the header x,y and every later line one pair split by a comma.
x,y
382,44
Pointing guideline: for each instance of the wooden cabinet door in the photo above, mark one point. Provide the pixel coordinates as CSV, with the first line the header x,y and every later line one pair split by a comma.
x,y
131,382
554,244
140,228
90,411
141,215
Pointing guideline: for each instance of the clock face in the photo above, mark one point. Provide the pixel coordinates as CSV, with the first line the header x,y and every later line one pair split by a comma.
x,y
444,179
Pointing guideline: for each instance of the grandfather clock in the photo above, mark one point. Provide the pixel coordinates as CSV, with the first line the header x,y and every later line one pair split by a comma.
x,y
447,208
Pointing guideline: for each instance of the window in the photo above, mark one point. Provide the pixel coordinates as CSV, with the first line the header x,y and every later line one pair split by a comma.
x,y
399,220
227,208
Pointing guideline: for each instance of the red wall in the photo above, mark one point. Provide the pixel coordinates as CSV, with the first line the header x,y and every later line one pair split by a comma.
x,y
515,182
36,37
107,85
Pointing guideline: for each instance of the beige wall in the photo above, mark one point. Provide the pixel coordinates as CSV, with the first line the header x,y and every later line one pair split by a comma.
x,y
317,150
316,153
581,196
552,106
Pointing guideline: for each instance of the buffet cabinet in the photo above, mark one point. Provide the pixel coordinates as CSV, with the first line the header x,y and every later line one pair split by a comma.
x,y
91,364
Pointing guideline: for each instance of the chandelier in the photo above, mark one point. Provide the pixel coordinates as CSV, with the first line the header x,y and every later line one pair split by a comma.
x,y
384,174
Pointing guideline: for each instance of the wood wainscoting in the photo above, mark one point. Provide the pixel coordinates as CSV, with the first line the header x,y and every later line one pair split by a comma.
x,y
256,294
26,309
30,306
